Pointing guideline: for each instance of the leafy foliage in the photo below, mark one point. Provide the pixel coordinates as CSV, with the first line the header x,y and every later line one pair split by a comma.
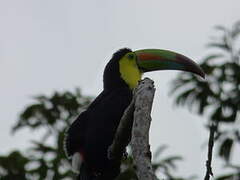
x,y
53,113
231,176
165,165
45,160
12,166
218,96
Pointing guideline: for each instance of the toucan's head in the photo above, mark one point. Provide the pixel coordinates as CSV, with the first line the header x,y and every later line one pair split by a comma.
x,y
126,67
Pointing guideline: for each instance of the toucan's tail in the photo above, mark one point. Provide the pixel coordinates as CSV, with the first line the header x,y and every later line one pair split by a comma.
x,y
79,167
85,174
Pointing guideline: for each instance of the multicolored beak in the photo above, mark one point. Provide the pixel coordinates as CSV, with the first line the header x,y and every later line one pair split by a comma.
x,y
158,59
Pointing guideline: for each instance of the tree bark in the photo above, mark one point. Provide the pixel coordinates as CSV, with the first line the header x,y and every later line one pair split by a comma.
x,y
135,125
140,130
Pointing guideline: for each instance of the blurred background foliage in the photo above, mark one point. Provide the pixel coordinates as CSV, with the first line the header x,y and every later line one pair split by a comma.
x,y
217,97
45,159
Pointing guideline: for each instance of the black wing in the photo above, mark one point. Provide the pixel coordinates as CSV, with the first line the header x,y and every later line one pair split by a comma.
x,y
74,138
75,135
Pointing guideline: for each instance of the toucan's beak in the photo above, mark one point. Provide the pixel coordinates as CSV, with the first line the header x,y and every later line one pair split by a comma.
x,y
157,59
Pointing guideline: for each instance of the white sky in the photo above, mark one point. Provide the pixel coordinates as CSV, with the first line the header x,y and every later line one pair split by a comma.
x,y
52,45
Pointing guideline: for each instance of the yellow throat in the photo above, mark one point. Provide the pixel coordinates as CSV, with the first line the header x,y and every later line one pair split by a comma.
x,y
129,70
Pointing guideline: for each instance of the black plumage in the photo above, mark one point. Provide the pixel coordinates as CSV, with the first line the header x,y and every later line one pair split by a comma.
x,y
93,131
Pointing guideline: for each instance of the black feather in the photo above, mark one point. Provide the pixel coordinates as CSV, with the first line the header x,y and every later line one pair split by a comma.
x,y
93,131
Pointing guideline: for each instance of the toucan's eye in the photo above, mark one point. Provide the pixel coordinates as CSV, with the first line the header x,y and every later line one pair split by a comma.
x,y
131,56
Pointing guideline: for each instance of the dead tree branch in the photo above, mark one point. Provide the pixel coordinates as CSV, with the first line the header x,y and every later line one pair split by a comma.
x,y
209,172
135,125
140,130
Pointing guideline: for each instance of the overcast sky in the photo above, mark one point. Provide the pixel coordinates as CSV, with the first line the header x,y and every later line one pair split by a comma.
x,y
58,45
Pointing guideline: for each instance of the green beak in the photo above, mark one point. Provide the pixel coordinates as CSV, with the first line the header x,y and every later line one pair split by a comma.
x,y
158,59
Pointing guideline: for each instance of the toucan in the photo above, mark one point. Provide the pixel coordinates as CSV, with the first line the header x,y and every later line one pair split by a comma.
x,y
89,136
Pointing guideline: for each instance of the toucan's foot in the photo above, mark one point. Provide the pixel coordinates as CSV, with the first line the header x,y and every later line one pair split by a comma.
x,y
125,154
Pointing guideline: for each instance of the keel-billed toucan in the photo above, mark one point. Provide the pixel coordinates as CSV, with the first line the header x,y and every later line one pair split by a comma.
x,y
90,135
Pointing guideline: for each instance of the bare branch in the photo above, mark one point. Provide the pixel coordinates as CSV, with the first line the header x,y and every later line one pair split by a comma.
x,y
140,130
137,129
210,149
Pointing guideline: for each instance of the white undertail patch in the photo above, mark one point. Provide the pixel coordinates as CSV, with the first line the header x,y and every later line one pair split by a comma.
x,y
76,162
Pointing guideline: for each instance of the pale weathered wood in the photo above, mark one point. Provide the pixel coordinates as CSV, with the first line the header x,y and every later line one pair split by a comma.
x,y
140,130
137,129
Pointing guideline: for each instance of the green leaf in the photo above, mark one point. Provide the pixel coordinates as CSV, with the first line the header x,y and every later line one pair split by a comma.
x,y
222,46
13,166
231,176
211,57
225,149
221,28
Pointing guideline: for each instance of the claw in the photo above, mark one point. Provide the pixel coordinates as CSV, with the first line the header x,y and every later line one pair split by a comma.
x,y
125,155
